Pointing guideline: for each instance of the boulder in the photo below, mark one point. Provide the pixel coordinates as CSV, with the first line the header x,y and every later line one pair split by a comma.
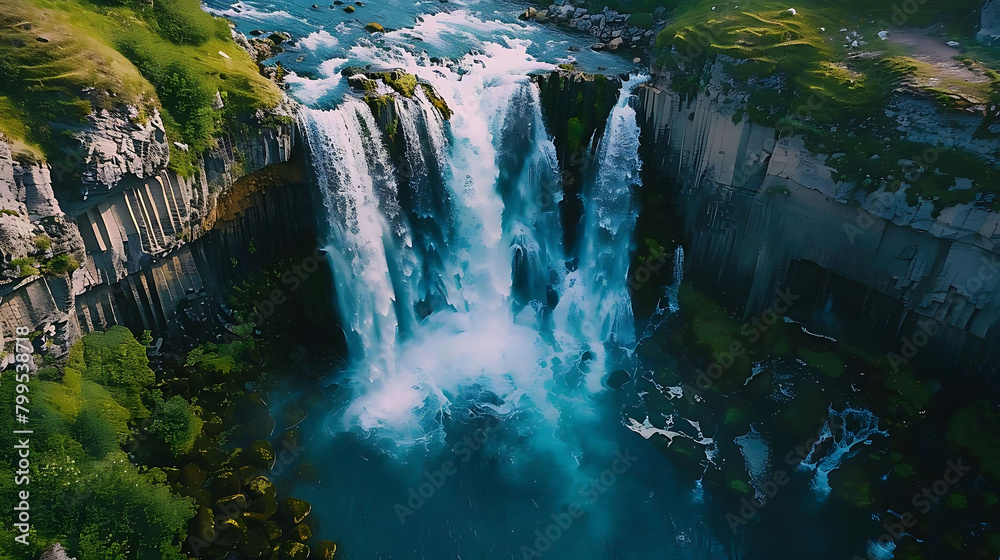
x,y
325,550
57,552
261,487
349,9
291,551
294,509
373,27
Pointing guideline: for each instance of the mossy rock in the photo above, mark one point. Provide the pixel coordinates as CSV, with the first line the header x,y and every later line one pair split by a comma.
x,y
231,504
294,509
300,532
437,101
290,438
349,9
254,544
202,525
246,473
226,483
307,472
265,505
291,551
272,530
373,27
261,487
990,499
191,476
260,454
254,519
325,550
229,531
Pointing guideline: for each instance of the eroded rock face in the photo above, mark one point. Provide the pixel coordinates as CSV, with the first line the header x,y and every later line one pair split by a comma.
x,y
55,552
119,143
756,207
989,28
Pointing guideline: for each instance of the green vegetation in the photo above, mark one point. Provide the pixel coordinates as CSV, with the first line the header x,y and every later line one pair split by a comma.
x,y
24,266
85,492
795,71
64,58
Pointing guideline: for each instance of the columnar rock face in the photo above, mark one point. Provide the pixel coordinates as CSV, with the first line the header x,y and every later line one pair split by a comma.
x,y
122,214
760,211
989,28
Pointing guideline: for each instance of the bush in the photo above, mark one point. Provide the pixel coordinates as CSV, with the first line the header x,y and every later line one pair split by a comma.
x,y
117,361
177,425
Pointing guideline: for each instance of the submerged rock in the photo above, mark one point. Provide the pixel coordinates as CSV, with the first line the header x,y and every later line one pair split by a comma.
x,y
294,509
325,550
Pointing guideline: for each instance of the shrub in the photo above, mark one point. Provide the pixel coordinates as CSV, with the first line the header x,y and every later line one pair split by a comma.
x,y
177,424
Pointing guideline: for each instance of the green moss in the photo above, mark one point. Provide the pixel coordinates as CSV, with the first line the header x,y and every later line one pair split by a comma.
x,y
61,264
42,242
436,101
740,486
403,82
24,266
575,129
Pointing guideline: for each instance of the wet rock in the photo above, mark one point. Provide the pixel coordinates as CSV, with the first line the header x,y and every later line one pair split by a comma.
x,y
225,483
300,532
373,27
290,439
261,487
294,509
260,454
254,519
349,9
254,544
247,473
618,378
325,550
202,525
192,476
307,472
235,503
265,505
272,530
229,531
291,551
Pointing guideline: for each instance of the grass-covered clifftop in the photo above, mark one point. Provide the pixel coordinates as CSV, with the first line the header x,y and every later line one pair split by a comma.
x,y
827,71
61,59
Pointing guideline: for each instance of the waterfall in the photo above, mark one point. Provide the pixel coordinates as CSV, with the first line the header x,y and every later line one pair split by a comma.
x,y
600,303
450,270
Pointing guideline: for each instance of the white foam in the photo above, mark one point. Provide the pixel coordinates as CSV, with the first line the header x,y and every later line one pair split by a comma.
x,y
318,40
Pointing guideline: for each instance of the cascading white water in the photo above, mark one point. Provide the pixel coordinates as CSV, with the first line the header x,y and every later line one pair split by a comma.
x,y
446,281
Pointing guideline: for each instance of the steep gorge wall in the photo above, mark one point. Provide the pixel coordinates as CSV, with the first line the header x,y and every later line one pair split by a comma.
x,y
761,212
135,226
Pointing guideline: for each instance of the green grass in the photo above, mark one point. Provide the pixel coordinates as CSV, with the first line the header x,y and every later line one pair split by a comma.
x,y
825,97
166,56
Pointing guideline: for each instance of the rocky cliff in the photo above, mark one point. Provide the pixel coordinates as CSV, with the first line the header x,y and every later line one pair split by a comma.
x,y
760,211
114,209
